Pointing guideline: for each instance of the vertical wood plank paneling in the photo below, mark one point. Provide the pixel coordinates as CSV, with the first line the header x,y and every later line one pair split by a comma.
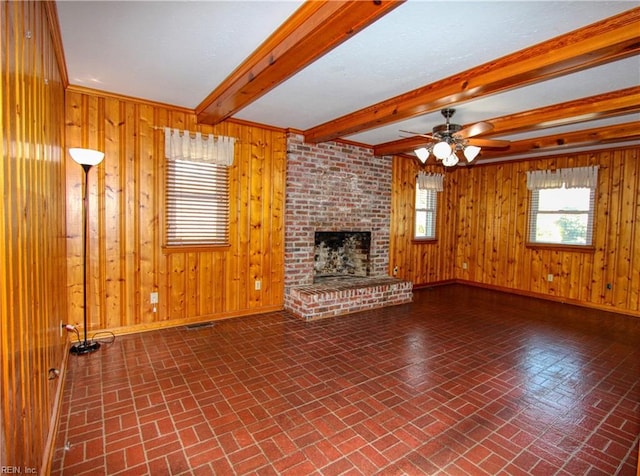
x,y
126,255
192,301
634,283
97,228
266,191
614,228
177,285
32,230
73,135
275,236
256,218
420,262
231,297
148,210
240,279
112,211
491,205
205,290
130,269
628,195
160,259
601,243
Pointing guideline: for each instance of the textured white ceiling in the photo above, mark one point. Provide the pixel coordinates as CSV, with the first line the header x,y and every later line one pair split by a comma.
x,y
166,51
178,52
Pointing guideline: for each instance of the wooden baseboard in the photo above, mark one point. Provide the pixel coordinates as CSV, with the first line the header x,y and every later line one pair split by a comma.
x,y
434,284
549,297
183,322
54,421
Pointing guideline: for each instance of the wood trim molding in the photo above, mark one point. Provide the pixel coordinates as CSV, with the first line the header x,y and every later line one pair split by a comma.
x,y
549,297
54,422
137,328
312,31
121,97
56,37
608,40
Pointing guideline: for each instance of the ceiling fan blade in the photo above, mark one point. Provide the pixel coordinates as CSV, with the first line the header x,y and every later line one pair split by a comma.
x,y
490,144
474,130
417,134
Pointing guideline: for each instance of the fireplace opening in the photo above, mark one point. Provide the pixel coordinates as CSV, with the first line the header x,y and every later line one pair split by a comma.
x,y
341,254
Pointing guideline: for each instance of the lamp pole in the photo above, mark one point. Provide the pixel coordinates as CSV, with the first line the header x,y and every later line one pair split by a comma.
x,y
87,158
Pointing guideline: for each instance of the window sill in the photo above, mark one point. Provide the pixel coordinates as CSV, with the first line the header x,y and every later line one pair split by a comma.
x,y
559,247
424,241
167,250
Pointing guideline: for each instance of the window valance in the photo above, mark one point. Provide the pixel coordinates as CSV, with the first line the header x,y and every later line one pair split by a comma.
x,y
430,181
196,148
575,177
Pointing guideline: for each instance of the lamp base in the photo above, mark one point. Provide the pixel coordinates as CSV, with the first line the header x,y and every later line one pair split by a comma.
x,y
84,347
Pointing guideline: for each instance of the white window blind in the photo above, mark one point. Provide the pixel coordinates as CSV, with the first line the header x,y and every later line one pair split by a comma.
x,y
426,201
562,206
197,189
197,203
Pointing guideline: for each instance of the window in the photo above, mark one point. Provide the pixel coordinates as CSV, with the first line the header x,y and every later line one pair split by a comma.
x,y
561,211
425,214
197,189
197,203
427,188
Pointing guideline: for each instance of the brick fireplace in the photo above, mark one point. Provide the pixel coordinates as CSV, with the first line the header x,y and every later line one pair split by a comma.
x,y
341,254
337,188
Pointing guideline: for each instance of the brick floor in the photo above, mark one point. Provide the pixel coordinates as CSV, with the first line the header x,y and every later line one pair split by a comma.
x,y
461,381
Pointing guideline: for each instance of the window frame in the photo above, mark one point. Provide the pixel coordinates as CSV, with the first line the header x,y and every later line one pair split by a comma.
x,y
533,214
434,213
216,175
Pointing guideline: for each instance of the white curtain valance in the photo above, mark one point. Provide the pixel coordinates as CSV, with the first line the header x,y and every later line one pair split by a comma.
x,y
213,150
430,181
576,177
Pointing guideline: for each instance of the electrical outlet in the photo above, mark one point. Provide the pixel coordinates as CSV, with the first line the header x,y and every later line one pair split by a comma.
x,y
153,299
464,265
550,277
258,285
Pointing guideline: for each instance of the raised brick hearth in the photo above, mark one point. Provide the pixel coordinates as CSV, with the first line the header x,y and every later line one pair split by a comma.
x,y
335,297
334,187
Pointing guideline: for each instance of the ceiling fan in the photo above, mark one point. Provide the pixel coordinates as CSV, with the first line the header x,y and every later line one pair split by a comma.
x,y
449,138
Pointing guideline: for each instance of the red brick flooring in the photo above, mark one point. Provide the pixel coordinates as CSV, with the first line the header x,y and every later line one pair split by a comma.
x,y
462,381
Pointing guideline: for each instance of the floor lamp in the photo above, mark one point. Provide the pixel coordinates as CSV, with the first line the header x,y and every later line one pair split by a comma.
x,y
87,158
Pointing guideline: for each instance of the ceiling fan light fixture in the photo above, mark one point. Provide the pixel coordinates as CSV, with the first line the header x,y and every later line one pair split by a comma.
x,y
442,150
422,153
448,138
471,152
451,160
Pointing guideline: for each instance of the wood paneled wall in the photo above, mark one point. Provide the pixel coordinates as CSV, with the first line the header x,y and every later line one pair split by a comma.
x,y
421,262
126,259
32,243
485,211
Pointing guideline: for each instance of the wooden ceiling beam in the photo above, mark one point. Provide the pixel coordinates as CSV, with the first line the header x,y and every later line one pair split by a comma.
x,y
600,106
312,31
609,40
613,103
600,135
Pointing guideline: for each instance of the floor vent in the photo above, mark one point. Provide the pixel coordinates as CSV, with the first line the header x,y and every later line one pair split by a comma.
x,y
199,325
